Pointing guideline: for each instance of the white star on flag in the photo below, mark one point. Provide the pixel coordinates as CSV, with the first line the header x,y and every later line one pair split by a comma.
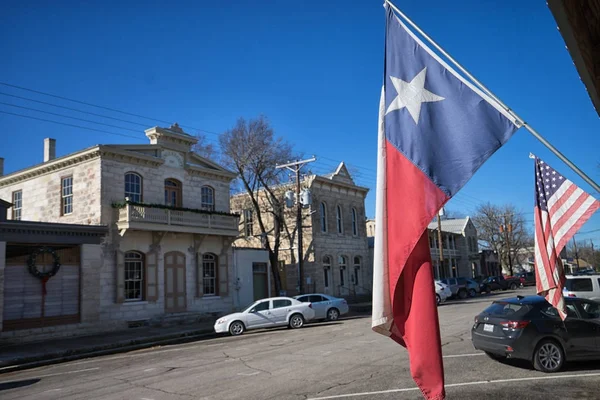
x,y
411,95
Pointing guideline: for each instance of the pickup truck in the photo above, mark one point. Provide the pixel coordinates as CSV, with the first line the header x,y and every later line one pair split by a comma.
x,y
500,283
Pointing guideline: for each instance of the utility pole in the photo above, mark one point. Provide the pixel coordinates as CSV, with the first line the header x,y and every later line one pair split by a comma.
x,y
593,255
442,275
576,253
507,229
296,167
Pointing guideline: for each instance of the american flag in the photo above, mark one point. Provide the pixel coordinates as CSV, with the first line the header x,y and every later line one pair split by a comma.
x,y
561,208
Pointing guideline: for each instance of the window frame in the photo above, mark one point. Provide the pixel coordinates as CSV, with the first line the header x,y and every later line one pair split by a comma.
x,y
141,185
207,206
141,259
354,215
249,222
177,188
324,227
342,264
326,269
63,196
339,219
17,211
356,263
210,258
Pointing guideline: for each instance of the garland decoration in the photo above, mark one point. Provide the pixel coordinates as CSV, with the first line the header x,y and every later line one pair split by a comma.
x,y
43,276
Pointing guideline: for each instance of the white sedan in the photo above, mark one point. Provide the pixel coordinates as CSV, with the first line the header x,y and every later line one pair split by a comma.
x,y
442,292
325,306
266,313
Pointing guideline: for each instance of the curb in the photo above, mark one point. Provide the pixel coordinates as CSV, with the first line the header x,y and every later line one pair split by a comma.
x,y
102,350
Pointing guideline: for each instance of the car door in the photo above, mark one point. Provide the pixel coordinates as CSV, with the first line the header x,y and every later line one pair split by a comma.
x,y
590,312
279,310
320,304
581,332
259,315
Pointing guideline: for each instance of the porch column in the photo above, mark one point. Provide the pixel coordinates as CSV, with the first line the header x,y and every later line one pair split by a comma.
x,y
91,263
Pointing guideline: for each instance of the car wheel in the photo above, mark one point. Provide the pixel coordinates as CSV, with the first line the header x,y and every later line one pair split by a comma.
x,y
296,321
236,328
472,293
462,294
513,286
333,314
548,356
438,299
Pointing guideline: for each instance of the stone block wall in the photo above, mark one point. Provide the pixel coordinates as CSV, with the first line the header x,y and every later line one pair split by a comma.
x,y
42,195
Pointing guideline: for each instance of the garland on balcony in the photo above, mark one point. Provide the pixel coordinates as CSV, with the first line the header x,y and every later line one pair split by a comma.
x,y
123,204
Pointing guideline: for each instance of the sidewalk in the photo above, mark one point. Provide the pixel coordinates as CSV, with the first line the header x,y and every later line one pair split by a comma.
x,y
36,354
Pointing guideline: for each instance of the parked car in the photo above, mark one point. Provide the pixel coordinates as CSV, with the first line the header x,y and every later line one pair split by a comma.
x,y
442,292
461,287
499,282
325,306
585,286
529,328
266,313
527,278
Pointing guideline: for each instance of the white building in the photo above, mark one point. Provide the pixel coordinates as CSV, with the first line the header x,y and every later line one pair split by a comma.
x,y
170,230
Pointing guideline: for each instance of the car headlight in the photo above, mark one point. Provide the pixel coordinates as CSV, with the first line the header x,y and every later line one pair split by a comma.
x,y
221,321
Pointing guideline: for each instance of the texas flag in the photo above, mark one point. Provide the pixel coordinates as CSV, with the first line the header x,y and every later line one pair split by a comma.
x,y
435,130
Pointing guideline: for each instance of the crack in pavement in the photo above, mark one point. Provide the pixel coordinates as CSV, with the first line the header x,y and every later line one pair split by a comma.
x,y
245,363
156,389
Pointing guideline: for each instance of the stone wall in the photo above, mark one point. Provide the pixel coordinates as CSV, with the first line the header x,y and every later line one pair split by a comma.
x,y
144,310
153,192
42,195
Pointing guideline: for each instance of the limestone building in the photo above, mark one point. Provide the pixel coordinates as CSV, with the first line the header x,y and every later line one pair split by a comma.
x,y
335,250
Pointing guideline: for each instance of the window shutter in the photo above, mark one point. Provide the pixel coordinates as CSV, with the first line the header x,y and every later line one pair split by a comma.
x,y
152,276
223,281
120,276
199,276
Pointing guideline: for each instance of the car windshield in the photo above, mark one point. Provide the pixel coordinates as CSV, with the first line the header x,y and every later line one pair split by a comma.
x,y
504,309
248,307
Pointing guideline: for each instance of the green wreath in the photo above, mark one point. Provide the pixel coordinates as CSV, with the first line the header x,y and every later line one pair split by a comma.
x,y
44,276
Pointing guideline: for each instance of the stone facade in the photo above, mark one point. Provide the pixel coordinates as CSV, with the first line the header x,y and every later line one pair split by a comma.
x,y
196,223
335,261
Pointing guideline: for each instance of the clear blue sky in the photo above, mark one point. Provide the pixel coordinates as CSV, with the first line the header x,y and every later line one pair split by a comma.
x,y
313,67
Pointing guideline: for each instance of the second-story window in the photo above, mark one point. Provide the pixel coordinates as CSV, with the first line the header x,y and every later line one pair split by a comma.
x,y
248,223
338,217
172,193
66,200
17,200
207,198
323,217
354,222
133,187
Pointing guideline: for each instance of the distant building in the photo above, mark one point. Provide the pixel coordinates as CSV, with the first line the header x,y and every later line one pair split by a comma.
x,y
335,251
459,248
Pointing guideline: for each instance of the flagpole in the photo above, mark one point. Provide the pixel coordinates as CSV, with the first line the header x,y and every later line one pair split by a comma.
x,y
520,120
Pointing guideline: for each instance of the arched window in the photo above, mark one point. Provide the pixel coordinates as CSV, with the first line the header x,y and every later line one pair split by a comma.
x,y
354,222
338,218
209,274
172,193
342,265
356,270
134,276
323,217
326,270
207,198
133,187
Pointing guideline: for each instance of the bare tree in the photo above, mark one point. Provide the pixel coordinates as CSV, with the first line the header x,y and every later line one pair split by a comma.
x,y
252,150
504,229
586,251
204,148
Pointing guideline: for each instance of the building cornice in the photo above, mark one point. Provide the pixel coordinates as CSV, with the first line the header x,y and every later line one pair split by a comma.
x,y
50,166
330,184
30,231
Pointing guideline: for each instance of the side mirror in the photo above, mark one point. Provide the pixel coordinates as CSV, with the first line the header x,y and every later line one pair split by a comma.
x,y
253,310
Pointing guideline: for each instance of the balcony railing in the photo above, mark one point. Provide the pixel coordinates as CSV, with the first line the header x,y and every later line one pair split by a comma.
x,y
143,217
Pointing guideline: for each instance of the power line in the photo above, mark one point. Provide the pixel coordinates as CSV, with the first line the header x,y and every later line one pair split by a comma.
x,y
67,116
98,106
72,125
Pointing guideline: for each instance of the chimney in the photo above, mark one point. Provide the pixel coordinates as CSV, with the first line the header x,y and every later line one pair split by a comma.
x,y
49,149
1,166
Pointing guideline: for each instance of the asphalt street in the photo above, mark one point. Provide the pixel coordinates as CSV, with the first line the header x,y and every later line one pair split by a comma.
x,y
341,360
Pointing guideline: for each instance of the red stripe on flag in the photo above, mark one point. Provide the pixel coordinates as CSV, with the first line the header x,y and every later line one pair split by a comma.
x,y
577,225
562,199
565,216
412,202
